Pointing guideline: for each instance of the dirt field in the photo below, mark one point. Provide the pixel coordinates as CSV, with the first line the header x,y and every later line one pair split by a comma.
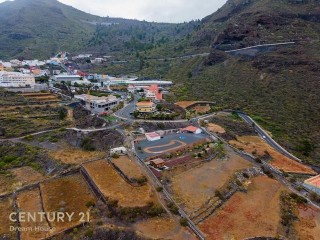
x,y
17,178
162,228
255,213
26,175
215,128
72,155
30,201
6,207
113,186
185,104
128,166
255,143
67,194
201,109
308,227
195,186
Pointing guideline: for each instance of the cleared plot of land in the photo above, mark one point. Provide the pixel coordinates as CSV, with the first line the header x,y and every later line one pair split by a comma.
x,y
162,228
75,156
18,177
30,201
215,128
253,144
185,104
194,187
67,194
6,207
113,186
308,226
255,213
26,175
127,166
201,109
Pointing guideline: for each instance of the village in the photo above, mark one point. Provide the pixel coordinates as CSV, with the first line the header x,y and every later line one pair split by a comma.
x,y
164,170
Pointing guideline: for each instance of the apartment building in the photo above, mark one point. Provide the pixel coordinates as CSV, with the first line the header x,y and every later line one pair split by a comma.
x,y
16,79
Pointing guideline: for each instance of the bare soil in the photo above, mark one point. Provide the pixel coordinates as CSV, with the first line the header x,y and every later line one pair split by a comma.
x,y
71,155
308,226
162,228
185,104
6,207
66,194
194,187
26,175
30,201
113,186
215,128
252,144
128,166
201,109
245,215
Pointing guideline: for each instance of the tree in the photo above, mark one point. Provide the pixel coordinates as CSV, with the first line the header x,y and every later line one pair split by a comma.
x,y
62,113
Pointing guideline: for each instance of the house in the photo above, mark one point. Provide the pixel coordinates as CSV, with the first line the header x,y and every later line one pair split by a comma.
x,y
313,184
1,67
157,163
98,105
153,93
145,107
118,151
153,136
192,129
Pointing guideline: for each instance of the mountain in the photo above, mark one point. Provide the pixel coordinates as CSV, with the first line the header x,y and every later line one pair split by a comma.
x,y
278,86
40,28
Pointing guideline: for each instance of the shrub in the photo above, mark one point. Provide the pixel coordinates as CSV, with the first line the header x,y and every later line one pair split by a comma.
x,y
173,208
90,204
183,222
159,189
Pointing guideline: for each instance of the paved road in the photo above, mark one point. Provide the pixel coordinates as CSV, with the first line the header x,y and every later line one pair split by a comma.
x,y
267,138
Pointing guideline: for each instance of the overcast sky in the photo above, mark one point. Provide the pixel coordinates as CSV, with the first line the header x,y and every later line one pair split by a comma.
x,y
150,10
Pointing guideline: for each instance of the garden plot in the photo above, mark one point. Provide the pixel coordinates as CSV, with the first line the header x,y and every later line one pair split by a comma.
x,y
30,201
67,194
114,187
192,188
245,215
6,207
255,145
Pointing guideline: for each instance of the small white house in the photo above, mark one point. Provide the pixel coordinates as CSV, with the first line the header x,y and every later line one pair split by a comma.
x,y
153,136
119,151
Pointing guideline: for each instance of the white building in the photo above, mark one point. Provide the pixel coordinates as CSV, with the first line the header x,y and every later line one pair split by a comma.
x,y
153,136
98,105
119,151
16,79
66,78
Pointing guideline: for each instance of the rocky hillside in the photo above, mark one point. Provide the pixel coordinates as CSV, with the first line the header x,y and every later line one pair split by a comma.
x,y
278,86
40,28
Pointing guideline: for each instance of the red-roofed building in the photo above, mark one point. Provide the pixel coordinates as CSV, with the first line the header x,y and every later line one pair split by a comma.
x,y
153,93
192,129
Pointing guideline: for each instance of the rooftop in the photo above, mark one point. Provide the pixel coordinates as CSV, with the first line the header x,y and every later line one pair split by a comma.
x,y
145,104
314,181
190,129
157,161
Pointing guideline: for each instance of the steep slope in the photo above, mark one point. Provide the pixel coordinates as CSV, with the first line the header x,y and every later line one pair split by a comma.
x,y
277,85
39,28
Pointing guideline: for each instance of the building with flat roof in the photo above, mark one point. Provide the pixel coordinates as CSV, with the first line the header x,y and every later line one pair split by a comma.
x,y
145,107
313,184
16,80
66,78
98,105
